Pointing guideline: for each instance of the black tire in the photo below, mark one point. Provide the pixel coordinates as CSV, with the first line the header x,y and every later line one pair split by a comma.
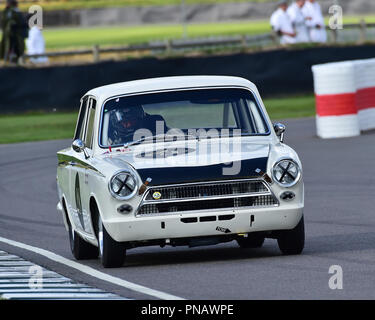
x,y
81,249
112,253
292,242
252,241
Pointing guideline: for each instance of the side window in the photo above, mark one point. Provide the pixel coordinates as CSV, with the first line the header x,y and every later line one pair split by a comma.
x,y
81,119
90,123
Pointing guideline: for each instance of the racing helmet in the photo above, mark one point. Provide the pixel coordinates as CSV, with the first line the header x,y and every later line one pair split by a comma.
x,y
126,120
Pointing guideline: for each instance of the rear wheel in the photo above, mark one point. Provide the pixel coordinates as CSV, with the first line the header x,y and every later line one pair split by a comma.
x,y
81,249
112,253
292,241
252,241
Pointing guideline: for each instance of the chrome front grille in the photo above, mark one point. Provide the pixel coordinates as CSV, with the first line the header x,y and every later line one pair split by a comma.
x,y
197,191
206,196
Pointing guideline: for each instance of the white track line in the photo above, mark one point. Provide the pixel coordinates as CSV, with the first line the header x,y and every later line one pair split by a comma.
x,y
91,271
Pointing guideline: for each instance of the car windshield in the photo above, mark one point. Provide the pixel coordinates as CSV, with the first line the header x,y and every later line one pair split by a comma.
x,y
126,119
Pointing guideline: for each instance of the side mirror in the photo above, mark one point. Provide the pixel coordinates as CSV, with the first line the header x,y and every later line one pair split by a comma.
x,y
279,130
79,146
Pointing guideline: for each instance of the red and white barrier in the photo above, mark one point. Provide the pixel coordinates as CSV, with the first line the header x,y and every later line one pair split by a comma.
x,y
335,91
365,96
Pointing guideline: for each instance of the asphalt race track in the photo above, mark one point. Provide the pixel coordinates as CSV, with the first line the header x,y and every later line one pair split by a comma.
x,y
339,215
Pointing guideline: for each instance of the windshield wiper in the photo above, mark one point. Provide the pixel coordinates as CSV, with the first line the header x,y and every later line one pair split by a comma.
x,y
139,141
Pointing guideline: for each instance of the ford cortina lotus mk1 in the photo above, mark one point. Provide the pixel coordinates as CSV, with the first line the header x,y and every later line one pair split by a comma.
x,y
178,161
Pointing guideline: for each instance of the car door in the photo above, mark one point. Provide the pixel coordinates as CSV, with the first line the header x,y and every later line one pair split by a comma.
x,y
77,170
87,171
67,161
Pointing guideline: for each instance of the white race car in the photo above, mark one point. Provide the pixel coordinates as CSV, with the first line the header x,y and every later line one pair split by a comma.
x,y
175,161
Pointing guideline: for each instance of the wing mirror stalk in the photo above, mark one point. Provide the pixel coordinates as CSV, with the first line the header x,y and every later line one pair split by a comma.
x,y
79,146
280,131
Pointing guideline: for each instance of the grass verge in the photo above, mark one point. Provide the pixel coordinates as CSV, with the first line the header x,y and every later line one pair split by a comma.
x,y
290,107
37,127
122,35
52,126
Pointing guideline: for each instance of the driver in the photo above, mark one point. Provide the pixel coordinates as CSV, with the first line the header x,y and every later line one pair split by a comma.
x,y
124,122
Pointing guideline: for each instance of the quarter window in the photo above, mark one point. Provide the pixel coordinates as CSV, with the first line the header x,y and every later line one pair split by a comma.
x,y
90,124
81,119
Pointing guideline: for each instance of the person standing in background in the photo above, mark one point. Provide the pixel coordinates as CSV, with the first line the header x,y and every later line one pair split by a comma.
x,y
315,21
282,24
299,21
36,45
15,30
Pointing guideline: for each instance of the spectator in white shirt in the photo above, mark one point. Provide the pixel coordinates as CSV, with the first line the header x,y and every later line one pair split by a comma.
x,y
36,45
299,21
282,24
315,21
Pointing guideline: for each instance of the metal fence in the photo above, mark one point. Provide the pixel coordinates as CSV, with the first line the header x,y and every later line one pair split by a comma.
x,y
351,33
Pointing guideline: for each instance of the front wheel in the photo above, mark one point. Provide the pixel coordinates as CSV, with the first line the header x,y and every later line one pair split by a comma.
x,y
81,249
292,241
112,253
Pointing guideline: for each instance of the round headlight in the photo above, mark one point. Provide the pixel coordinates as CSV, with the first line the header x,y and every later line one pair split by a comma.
x,y
286,173
123,185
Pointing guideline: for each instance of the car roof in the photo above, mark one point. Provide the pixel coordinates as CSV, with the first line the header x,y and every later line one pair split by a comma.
x,y
168,83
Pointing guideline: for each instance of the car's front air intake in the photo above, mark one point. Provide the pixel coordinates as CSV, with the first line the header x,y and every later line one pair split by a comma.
x,y
206,196
193,191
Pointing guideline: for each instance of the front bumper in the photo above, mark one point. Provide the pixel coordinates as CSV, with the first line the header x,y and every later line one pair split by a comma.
x,y
171,226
